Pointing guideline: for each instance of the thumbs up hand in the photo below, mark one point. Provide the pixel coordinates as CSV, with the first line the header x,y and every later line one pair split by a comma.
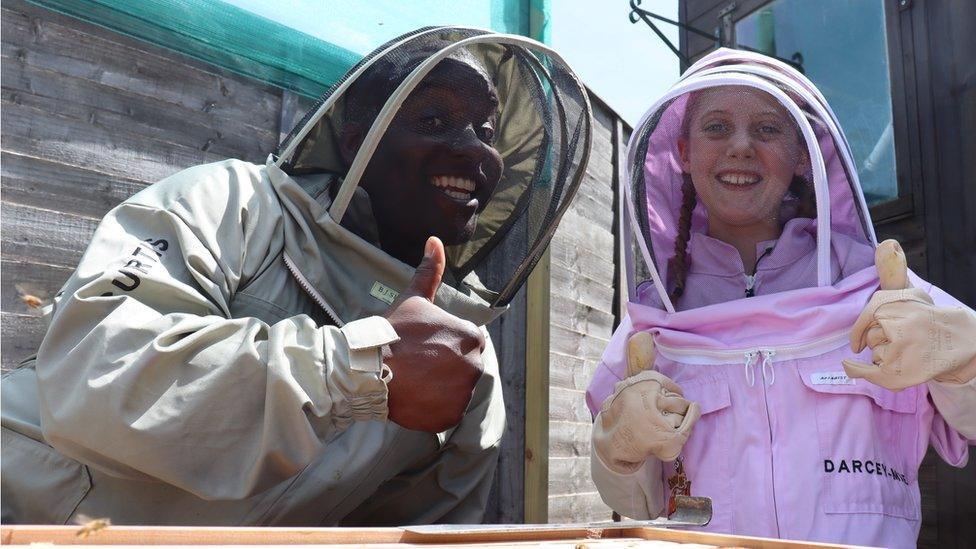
x,y
647,414
437,360
911,340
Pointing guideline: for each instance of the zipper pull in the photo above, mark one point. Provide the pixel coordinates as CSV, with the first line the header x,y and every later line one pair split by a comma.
x,y
750,285
751,358
768,355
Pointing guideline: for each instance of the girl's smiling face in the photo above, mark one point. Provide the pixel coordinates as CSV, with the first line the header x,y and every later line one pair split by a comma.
x,y
742,149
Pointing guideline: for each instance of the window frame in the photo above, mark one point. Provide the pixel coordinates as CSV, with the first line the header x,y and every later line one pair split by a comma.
x,y
901,65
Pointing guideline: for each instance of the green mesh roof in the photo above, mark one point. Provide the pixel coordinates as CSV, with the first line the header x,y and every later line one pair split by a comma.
x,y
303,45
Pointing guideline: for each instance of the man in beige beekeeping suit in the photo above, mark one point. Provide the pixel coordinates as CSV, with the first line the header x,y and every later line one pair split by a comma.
x,y
246,344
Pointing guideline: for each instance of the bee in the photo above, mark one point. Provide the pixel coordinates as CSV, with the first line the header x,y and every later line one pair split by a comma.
x,y
31,295
32,301
89,525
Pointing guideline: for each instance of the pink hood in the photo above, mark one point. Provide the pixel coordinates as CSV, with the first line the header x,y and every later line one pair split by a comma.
x,y
655,176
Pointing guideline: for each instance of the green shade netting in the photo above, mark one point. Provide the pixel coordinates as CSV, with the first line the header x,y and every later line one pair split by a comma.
x,y
299,45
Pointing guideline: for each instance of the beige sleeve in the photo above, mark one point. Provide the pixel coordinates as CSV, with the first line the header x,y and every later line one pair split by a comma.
x,y
638,495
956,403
143,374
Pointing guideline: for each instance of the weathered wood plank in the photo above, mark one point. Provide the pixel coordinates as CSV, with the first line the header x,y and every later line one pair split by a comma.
x,y
44,236
22,278
570,475
598,240
44,39
586,507
293,108
570,313
569,439
589,209
573,255
567,405
596,185
570,372
581,263
40,134
599,157
602,123
99,105
570,343
581,289
44,184
21,334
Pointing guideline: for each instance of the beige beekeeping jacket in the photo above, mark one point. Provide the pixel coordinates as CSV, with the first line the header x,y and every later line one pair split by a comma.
x,y
215,360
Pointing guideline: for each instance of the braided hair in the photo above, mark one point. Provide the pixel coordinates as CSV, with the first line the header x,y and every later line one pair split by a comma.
x,y
679,263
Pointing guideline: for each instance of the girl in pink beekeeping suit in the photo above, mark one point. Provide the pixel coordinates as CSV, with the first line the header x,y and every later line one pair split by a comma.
x,y
766,362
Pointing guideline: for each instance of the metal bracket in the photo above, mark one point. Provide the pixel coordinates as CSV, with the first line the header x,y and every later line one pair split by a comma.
x,y
638,14
724,34
727,36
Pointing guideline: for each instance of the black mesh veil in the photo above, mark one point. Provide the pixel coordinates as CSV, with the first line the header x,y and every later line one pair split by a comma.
x,y
475,137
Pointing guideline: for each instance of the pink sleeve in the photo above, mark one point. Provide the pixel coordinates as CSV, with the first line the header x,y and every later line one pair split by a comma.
x,y
951,446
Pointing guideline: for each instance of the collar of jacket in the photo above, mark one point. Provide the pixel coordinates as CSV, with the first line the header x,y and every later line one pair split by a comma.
x,y
348,271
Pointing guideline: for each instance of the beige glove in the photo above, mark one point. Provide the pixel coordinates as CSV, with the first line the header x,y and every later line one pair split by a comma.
x,y
646,415
912,340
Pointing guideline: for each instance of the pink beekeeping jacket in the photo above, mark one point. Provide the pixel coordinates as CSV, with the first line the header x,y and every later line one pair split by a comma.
x,y
787,445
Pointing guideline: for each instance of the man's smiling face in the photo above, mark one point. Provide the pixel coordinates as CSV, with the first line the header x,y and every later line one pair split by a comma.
x,y
436,166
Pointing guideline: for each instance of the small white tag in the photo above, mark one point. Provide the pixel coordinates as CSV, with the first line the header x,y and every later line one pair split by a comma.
x,y
831,378
383,293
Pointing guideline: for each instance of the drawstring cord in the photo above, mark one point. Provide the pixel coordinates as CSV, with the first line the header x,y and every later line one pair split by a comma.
x,y
768,373
751,358
768,361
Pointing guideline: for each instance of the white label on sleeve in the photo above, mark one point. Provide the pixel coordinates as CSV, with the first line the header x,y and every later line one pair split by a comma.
x,y
831,378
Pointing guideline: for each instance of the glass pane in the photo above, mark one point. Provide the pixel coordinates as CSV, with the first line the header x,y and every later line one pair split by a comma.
x,y
840,45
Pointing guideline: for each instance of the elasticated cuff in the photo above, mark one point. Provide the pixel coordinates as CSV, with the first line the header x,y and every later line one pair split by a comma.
x,y
637,495
956,402
362,385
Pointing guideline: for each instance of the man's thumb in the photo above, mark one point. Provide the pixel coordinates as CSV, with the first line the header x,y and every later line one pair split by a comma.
x,y
430,271
889,258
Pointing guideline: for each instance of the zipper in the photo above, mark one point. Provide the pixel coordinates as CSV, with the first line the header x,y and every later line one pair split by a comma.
x,y
312,292
772,459
751,279
750,285
713,357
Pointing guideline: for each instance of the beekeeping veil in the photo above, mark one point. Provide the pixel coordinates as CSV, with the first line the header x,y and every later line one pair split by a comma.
x,y
752,136
540,131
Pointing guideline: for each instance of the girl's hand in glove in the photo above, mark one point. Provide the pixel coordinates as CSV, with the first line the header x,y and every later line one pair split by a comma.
x,y
911,340
645,416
